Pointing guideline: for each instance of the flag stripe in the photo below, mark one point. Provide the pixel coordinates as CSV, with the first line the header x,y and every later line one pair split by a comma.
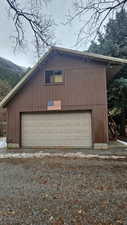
x,y
54,105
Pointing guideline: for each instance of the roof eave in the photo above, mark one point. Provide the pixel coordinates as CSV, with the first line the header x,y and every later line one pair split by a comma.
x,y
92,55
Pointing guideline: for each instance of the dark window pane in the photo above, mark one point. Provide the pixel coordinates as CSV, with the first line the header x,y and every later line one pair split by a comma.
x,y
53,76
48,75
58,72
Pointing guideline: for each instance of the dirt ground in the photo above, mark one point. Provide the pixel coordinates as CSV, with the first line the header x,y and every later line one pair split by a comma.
x,y
56,191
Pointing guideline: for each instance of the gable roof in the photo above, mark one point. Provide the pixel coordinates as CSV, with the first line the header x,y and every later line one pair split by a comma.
x,y
93,56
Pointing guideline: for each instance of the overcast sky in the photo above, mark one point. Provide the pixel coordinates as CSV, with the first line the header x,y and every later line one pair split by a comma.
x,y
65,35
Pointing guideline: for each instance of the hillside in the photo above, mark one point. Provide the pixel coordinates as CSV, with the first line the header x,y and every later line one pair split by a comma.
x,y
10,72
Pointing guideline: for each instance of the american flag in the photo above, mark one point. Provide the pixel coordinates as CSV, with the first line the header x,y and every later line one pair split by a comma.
x,y
54,105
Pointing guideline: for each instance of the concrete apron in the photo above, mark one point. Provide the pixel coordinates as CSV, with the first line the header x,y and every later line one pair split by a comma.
x,y
96,146
116,150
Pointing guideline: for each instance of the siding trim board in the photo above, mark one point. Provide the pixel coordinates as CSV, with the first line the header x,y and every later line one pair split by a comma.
x,y
102,146
13,145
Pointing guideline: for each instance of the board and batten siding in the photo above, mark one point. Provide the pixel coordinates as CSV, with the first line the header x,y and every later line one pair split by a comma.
x,y
84,88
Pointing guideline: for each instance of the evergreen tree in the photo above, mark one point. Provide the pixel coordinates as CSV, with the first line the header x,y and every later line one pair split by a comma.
x,y
114,43
114,40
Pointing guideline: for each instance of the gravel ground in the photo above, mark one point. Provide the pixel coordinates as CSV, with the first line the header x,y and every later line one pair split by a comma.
x,y
56,191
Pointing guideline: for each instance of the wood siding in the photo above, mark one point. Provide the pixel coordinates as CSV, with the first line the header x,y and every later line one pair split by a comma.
x,y
84,88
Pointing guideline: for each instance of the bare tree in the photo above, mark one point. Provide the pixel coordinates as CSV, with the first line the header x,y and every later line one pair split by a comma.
x,y
93,14
30,13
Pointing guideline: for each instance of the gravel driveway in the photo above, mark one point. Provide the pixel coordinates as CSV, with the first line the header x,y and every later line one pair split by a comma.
x,y
56,191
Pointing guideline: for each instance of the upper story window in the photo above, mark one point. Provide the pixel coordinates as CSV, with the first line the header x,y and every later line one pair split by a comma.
x,y
54,76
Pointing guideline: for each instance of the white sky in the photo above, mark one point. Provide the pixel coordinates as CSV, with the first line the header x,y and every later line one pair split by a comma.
x,y
65,35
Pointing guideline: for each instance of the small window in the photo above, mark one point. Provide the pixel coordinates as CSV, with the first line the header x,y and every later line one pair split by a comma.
x,y
54,76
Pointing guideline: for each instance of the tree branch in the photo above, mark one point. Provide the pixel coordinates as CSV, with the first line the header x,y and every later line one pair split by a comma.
x,y
94,13
40,25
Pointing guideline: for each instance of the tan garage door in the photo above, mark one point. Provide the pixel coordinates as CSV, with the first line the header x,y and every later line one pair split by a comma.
x,y
56,129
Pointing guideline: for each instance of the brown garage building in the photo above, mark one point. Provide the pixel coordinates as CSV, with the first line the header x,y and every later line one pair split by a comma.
x,y
62,101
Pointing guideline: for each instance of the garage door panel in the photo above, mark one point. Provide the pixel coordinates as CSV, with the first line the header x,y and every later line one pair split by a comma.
x,y
60,129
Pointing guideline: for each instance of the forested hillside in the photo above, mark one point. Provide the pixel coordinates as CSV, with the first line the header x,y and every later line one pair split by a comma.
x,y
10,74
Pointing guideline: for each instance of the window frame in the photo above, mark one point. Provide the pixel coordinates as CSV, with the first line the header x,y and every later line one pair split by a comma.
x,y
54,83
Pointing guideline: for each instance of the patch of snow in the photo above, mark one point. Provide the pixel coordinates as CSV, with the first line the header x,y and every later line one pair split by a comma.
x,y
3,143
63,155
122,142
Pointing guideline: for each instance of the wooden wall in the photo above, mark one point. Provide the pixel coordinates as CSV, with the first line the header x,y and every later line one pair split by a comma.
x,y
84,88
